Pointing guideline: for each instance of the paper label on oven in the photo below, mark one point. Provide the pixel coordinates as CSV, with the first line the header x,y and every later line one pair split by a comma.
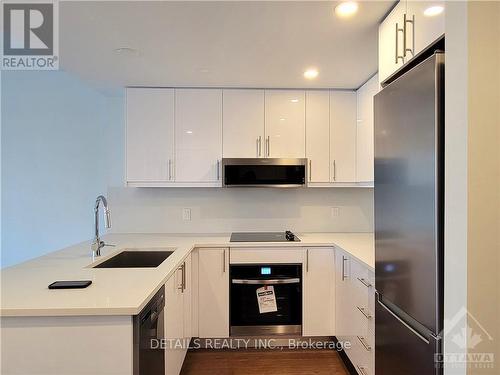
x,y
266,299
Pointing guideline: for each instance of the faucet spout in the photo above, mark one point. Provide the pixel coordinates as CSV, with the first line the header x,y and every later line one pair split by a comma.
x,y
97,245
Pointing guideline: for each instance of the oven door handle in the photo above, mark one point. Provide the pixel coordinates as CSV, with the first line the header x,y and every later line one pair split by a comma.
x,y
294,280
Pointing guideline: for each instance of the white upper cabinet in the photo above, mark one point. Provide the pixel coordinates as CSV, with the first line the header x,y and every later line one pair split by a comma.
x,y
364,136
243,123
390,42
426,24
318,135
198,135
411,26
150,135
285,124
177,137
343,136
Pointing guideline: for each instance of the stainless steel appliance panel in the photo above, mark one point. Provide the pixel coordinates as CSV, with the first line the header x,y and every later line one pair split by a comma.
x,y
245,316
408,191
399,349
148,332
264,172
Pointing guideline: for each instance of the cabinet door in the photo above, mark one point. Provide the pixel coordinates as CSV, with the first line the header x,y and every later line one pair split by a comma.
x,y
426,28
343,305
174,324
390,42
343,135
318,135
150,134
285,124
198,135
243,123
319,292
364,131
213,271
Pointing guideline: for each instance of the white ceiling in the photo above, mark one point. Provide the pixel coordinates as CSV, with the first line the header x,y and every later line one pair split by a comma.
x,y
226,44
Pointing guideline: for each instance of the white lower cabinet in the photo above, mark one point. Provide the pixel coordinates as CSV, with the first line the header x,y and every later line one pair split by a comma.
x,y
213,292
178,292
318,292
355,309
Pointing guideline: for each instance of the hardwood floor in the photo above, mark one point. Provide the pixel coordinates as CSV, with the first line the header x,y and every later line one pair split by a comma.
x,y
263,362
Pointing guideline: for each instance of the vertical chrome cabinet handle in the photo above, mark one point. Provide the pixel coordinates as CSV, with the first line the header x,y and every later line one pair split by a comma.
x,y
307,260
362,369
310,170
170,169
218,170
183,277
268,146
259,146
180,286
398,30
224,261
405,48
334,171
343,268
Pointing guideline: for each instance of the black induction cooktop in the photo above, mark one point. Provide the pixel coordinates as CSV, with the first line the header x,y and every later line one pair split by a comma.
x,y
286,236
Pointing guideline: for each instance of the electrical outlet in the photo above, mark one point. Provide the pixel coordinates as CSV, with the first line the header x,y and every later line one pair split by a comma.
x,y
335,211
186,214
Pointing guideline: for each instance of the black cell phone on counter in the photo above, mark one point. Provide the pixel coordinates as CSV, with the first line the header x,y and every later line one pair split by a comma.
x,y
70,284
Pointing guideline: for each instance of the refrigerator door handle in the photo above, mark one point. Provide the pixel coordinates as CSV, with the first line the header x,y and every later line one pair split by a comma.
x,y
420,336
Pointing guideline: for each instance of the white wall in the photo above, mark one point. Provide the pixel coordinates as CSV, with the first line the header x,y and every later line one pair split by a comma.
x,y
53,164
151,210
455,231
483,182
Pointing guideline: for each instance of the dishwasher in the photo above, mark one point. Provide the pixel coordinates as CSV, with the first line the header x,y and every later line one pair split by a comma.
x,y
149,334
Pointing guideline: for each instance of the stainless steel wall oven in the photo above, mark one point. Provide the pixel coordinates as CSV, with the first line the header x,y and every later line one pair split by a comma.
x,y
278,312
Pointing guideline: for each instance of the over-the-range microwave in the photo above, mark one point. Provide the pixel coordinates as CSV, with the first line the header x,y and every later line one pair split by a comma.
x,y
264,172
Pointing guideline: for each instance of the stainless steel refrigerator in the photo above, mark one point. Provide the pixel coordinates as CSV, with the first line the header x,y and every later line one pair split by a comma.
x,y
409,141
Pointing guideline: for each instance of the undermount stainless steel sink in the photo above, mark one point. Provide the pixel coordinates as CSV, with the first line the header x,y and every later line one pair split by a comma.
x,y
135,259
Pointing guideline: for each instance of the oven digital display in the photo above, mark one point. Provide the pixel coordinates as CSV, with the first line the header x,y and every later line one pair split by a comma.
x,y
265,270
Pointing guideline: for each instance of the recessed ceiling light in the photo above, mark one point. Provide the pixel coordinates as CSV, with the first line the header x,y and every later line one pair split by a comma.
x,y
126,51
311,73
294,100
433,10
346,9
189,132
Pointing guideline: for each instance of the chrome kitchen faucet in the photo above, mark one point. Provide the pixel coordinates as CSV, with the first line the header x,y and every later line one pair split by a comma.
x,y
97,245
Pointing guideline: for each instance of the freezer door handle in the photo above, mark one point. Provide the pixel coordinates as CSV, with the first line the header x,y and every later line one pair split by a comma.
x,y
418,334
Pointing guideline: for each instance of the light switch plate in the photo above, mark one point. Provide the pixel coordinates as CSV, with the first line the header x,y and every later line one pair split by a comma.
x,y
335,211
186,214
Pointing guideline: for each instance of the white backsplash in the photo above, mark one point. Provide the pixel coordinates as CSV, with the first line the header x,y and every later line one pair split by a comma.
x,y
216,210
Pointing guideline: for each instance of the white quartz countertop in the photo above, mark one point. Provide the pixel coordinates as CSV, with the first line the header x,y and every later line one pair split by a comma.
x,y
125,291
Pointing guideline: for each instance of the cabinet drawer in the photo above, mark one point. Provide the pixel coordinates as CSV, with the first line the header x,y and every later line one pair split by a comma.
x,y
361,358
266,255
361,277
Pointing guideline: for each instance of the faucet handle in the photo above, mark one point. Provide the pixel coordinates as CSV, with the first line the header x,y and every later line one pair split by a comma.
x,y
107,244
